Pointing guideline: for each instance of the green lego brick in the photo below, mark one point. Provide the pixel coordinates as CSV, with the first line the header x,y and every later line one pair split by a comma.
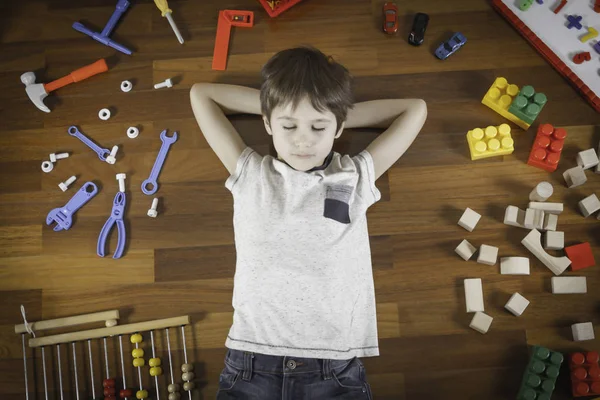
x,y
540,375
525,4
528,104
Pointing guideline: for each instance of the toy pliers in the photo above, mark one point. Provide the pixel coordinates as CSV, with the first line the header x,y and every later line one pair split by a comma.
x,y
116,217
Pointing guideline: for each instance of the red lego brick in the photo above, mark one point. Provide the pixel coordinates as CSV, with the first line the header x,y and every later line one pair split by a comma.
x,y
276,7
585,374
581,256
547,147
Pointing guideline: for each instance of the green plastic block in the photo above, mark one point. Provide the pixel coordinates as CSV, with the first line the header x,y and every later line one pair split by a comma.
x,y
528,104
525,4
540,375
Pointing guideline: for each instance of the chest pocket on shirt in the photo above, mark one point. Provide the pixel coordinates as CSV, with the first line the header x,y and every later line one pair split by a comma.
x,y
337,203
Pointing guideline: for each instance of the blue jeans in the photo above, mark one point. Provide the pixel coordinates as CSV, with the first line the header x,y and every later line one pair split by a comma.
x,y
255,376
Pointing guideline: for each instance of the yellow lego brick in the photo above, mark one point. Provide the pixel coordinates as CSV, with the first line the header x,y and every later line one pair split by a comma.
x,y
489,142
499,98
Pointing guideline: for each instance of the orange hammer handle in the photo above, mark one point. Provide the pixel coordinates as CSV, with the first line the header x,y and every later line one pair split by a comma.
x,y
78,75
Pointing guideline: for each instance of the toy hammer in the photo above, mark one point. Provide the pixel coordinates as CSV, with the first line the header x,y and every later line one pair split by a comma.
x,y
37,92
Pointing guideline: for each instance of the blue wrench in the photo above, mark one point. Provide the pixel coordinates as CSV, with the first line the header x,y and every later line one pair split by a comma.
x,y
102,153
63,216
160,159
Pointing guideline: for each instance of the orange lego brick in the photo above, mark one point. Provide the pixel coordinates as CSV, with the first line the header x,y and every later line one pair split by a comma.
x,y
493,141
547,147
499,98
585,374
227,19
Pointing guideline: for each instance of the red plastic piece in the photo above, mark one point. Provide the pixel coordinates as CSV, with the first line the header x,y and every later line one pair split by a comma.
x,y
276,7
585,374
110,391
579,58
123,393
108,383
560,6
227,19
597,6
390,18
547,53
581,256
547,147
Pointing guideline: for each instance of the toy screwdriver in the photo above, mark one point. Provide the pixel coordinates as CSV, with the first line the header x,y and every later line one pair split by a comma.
x,y
163,6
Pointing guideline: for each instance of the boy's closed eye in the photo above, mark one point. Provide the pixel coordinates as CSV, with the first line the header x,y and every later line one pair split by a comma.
x,y
289,128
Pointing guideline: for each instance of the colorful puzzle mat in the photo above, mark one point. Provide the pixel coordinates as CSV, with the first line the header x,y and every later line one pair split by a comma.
x,y
550,35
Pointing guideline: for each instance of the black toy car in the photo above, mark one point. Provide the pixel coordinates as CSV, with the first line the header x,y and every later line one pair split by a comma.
x,y
417,35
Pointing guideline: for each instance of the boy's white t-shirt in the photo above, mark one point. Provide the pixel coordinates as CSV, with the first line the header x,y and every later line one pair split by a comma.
x,y
303,282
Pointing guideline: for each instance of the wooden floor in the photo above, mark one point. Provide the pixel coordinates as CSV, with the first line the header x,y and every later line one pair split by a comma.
x,y
183,262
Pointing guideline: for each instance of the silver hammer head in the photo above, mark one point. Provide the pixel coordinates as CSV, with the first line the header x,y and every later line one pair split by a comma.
x,y
36,91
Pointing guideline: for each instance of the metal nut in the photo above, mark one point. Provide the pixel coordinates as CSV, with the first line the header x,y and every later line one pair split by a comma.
x,y
132,132
104,114
126,86
47,166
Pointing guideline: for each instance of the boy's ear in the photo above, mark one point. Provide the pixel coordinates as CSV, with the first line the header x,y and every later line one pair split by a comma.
x,y
267,125
337,135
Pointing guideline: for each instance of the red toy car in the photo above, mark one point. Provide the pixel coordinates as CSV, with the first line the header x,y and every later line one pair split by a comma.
x,y
390,18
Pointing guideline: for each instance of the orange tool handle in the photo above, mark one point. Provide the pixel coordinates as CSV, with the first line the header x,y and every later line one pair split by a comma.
x,y
78,75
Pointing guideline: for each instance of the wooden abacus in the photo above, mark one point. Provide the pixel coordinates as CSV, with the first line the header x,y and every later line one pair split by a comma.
x,y
111,329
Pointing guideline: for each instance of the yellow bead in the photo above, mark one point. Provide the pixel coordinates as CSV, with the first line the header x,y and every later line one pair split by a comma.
x,y
136,338
141,394
154,362
155,371
187,367
137,353
138,362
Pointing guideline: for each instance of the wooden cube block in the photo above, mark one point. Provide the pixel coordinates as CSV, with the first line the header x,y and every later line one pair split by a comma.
x,y
465,250
487,255
587,159
554,240
575,177
469,219
589,205
517,304
481,322
583,331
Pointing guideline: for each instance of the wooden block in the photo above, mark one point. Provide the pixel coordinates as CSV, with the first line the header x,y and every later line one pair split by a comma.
x,y
583,331
514,266
541,192
487,255
534,219
575,177
481,322
465,250
589,205
517,304
474,295
550,208
550,222
587,159
569,284
554,240
469,219
514,216
532,242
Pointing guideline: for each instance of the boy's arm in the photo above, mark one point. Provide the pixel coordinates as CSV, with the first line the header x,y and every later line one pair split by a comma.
x,y
210,103
403,119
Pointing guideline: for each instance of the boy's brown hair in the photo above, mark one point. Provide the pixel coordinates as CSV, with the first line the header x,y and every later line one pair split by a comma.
x,y
292,74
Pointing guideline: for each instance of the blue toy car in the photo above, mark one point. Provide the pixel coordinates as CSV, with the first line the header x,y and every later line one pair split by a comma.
x,y
450,46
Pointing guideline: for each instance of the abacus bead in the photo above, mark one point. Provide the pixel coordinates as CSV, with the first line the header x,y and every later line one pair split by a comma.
x,y
136,338
174,396
188,386
137,353
187,367
155,371
173,387
110,323
138,362
187,376
108,383
111,397
154,362
125,393
141,394
109,391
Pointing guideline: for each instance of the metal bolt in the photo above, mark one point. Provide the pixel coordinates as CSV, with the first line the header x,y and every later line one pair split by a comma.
x,y
166,83
121,179
65,185
111,158
152,211
60,156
